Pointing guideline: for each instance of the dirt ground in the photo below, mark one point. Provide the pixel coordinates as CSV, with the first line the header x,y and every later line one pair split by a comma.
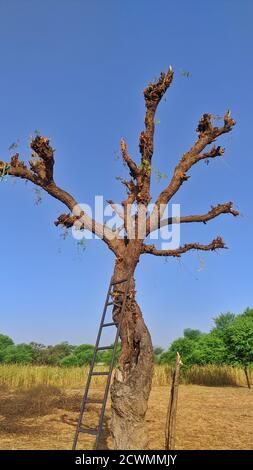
x,y
208,418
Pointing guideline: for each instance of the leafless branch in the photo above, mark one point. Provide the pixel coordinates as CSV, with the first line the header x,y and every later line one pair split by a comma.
x,y
217,243
40,173
153,94
206,135
215,211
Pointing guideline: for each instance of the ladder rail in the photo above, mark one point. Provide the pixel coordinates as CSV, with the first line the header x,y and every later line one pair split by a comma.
x,y
87,386
107,388
109,373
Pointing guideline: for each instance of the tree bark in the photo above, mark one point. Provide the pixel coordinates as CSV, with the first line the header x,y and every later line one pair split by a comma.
x,y
133,377
247,376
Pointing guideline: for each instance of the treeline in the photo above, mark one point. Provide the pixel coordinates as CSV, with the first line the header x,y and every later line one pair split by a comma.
x,y
63,354
230,341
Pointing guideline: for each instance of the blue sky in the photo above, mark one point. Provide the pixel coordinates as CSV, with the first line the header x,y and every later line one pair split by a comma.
x,y
75,70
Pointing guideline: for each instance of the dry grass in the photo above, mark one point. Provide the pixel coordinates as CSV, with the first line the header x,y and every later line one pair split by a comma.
x,y
208,417
44,417
27,376
39,408
213,375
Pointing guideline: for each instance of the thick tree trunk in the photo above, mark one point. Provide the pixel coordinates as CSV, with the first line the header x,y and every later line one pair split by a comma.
x,y
132,382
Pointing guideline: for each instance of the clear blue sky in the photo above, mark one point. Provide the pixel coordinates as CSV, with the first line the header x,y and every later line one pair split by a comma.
x,y
75,70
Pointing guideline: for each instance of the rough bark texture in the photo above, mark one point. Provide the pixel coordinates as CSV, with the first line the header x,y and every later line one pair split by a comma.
x,y
133,378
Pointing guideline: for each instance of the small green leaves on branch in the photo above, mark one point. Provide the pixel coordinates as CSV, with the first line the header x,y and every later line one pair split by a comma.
x,y
159,175
145,167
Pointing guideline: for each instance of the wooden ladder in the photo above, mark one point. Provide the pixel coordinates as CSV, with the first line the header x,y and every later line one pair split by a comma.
x,y
123,291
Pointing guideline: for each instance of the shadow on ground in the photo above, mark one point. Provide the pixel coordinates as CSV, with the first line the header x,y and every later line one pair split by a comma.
x,y
20,410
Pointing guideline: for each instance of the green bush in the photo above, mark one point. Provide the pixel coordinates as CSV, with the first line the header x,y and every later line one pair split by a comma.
x,y
20,354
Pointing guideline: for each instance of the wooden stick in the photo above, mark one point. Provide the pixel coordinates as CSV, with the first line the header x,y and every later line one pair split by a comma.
x,y
247,376
172,408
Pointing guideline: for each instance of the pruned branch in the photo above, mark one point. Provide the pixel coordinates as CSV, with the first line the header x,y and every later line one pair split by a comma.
x,y
133,168
43,166
215,211
139,186
217,243
41,174
207,135
153,94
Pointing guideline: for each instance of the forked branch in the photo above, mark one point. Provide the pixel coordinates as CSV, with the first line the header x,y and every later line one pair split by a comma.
x,y
41,173
215,211
141,174
217,243
207,134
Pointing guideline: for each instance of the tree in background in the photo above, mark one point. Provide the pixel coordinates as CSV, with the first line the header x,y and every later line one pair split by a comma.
x,y
198,348
223,320
248,312
157,354
19,354
230,342
50,355
132,381
38,352
185,345
81,355
209,349
238,338
192,334
63,354
5,341
14,353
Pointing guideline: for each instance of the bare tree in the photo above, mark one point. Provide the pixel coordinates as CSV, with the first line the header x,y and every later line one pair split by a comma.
x,y
132,383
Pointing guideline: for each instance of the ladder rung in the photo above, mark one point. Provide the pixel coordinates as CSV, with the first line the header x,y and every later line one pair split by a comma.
x,y
114,303
100,373
88,431
118,291
119,282
118,301
109,324
94,400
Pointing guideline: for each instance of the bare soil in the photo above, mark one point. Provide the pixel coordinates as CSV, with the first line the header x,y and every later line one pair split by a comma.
x,y
208,418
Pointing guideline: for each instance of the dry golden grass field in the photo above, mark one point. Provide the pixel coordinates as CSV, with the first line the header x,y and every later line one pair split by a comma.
x,y
41,416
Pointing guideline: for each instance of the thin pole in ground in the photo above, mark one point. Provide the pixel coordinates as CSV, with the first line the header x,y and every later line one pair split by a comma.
x,y
172,408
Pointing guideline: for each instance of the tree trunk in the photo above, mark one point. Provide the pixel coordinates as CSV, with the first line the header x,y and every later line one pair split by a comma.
x,y
247,376
133,378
